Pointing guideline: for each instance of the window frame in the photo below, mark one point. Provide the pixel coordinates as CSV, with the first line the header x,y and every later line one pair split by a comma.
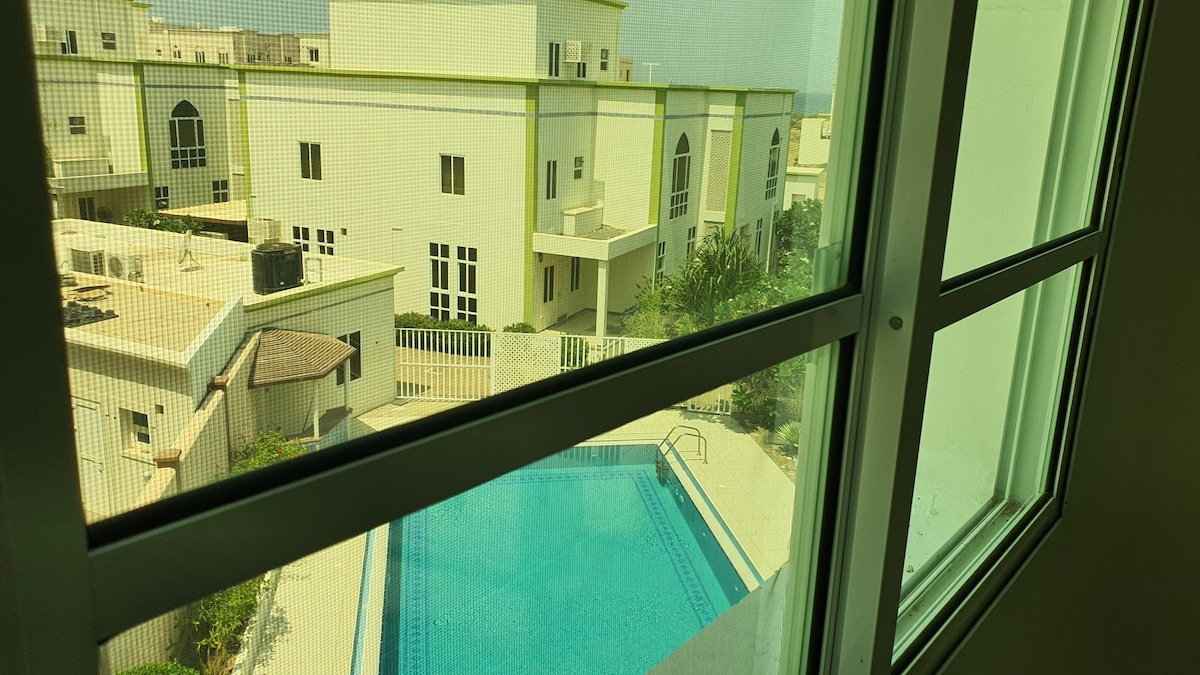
x,y
310,161
86,582
453,168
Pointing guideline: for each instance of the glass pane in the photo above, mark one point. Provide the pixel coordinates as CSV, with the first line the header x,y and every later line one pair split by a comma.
x,y
604,558
182,329
991,412
1037,101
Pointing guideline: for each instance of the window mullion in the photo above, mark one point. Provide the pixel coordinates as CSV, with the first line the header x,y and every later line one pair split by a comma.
x,y
921,131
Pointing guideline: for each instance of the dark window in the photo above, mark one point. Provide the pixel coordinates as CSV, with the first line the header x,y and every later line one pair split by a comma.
x,y
77,125
548,283
452,175
354,340
575,265
325,241
439,281
581,69
162,197
555,53
552,179
773,167
660,261
187,137
681,176
70,45
314,55
691,241
310,161
220,191
578,168
108,40
87,208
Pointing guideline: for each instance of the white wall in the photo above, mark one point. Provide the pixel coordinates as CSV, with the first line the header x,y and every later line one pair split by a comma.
x,y
207,88
596,25
381,141
89,18
462,37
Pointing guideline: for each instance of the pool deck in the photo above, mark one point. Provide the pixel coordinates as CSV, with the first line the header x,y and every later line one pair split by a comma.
x,y
319,595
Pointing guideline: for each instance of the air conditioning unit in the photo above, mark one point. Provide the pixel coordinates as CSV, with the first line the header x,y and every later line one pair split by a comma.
x,y
42,33
573,51
127,266
263,230
88,261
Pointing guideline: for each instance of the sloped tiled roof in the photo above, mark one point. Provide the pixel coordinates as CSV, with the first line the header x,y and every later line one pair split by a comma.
x,y
292,356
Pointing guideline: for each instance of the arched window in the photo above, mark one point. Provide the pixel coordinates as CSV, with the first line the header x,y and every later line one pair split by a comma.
x,y
681,176
773,167
187,137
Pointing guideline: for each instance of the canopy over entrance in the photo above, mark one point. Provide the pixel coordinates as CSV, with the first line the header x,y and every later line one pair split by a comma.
x,y
286,356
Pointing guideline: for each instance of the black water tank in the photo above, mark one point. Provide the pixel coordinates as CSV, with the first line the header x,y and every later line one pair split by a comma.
x,y
277,267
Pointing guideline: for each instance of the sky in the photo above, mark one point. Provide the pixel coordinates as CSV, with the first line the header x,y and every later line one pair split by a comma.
x,y
708,42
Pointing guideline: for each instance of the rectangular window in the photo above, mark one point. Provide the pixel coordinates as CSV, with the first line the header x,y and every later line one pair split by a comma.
x,y
581,70
578,168
135,429
314,54
302,236
287,59
758,237
691,241
162,197
439,281
223,57
603,59
87,208
547,283
325,241
552,179
452,175
199,56
177,53
187,143
310,161
70,43
251,58
108,41
354,340
575,265
220,191
555,60
468,300
77,125
660,261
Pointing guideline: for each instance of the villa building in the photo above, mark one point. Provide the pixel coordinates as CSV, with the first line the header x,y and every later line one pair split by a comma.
x,y
542,183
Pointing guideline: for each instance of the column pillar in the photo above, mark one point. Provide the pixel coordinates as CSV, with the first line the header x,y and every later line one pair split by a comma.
x,y
601,297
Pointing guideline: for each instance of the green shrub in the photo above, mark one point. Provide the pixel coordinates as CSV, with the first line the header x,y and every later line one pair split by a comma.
x,y
212,629
152,220
519,327
789,434
265,449
172,668
447,343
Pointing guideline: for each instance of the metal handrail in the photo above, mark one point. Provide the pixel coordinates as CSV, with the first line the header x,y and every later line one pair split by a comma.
x,y
688,431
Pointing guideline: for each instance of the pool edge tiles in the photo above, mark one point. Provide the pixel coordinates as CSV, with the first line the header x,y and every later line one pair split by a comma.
x,y
477,590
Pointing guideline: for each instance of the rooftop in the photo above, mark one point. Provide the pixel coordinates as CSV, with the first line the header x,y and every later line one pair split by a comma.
x,y
144,315
213,269
233,211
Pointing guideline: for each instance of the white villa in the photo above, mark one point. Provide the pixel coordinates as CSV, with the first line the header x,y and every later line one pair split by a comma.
x,y
189,367
516,177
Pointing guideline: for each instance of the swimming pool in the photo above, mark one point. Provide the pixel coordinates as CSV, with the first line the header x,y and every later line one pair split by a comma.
x,y
583,562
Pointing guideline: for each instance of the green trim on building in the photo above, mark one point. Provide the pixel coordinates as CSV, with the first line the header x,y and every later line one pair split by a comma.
x,y
610,3
735,164
656,160
139,93
245,115
531,183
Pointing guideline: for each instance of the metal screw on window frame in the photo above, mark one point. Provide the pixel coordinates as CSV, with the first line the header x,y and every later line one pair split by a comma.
x,y
896,322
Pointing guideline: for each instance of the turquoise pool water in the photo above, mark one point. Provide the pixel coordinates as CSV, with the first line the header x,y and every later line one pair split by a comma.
x,y
581,563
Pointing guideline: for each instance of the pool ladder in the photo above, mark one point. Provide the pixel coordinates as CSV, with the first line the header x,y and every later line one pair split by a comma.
x,y
677,433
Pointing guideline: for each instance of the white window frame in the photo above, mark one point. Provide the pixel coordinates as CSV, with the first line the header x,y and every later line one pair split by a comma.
x,y
310,161
76,585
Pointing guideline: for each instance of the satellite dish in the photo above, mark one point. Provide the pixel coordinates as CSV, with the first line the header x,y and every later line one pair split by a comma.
x,y
185,253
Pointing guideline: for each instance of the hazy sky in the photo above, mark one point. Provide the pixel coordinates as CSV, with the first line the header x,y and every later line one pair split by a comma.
x,y
766,43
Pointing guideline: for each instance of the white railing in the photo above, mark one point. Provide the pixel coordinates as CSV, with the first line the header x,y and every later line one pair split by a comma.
x,y
456,365
443,365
